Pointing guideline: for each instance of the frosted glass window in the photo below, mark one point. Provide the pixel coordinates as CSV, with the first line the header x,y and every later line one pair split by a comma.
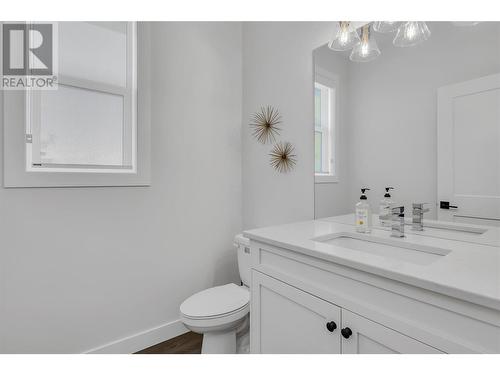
x,y
88,130
94,51
80,126
88,123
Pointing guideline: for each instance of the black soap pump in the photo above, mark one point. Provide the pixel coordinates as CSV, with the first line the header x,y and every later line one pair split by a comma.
x,y
363,213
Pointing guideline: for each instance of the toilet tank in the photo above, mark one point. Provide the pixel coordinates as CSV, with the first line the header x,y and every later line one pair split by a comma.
x,y
242,245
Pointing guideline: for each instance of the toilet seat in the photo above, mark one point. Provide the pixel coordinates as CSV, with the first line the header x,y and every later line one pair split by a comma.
x,y
244,309
216,323
215,303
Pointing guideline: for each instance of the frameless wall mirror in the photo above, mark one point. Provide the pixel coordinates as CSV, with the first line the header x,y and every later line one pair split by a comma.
x,y
414,106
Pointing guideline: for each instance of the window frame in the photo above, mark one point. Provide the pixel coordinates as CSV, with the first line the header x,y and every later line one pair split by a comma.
x,y
129,96
328,79
16,118
325,131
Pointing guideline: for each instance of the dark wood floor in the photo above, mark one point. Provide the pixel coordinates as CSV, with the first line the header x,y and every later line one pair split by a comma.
x,y
188,343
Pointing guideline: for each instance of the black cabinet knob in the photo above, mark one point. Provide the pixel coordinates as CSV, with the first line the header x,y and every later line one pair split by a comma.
x,y
346,332
331,326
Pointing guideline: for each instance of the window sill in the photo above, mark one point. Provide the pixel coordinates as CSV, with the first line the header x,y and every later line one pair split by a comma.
x,y
325,179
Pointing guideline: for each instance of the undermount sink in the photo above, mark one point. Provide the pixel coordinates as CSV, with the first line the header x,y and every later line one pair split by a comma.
x,y
385,247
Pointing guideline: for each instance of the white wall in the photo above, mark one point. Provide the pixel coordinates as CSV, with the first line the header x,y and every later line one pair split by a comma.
x,y
394,108
278,70
82,267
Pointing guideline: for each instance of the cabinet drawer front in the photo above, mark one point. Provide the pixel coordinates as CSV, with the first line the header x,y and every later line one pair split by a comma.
x,y
368,337
445,323
287,320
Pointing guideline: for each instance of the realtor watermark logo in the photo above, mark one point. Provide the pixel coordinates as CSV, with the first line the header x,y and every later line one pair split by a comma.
x,y
29,56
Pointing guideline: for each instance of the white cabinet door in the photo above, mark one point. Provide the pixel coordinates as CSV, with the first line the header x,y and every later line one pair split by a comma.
x,y
363,336
285,319
469,151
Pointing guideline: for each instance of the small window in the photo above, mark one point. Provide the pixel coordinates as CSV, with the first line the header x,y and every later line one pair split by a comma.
x,y
87,124
93,129
325,99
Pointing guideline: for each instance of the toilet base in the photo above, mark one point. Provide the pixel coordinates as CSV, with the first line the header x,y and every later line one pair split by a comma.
x,y
219,342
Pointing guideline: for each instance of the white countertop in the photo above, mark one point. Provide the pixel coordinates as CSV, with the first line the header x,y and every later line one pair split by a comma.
x,y
470,272
490,237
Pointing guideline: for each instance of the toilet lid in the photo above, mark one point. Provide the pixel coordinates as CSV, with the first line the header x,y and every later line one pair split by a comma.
x,y
215,301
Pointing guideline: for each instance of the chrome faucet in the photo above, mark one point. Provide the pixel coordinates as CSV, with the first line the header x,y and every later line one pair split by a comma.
x,y
398,221
418,216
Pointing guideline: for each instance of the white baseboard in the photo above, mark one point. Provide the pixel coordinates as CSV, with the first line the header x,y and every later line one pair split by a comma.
x,y
141,340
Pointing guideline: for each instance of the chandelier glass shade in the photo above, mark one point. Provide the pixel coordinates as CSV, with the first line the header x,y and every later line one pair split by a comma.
x,y
411,33
345,39
367,48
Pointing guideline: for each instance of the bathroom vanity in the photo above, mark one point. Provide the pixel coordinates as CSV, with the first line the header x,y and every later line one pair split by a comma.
x,y
320,287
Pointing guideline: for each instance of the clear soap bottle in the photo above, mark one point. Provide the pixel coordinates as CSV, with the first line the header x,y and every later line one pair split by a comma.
x,y
385,208
363,214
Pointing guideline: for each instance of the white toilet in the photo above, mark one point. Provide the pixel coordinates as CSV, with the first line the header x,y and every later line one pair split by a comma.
x,y
219,312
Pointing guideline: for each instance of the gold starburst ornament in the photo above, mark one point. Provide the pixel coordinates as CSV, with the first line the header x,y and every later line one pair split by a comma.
x,y
265,124
283,157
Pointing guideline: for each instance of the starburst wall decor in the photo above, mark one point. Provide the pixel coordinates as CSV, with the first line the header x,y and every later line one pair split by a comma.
x,y
265,124
282,156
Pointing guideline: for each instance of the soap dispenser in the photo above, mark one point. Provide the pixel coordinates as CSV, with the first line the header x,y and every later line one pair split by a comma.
x,y
385,208
363,214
